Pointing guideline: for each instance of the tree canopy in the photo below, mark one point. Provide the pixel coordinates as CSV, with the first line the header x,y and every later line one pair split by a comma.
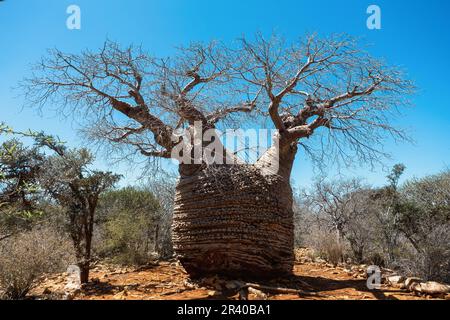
x,y
135,100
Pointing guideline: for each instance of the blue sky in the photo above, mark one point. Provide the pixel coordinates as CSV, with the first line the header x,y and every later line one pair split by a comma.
x,y
414,35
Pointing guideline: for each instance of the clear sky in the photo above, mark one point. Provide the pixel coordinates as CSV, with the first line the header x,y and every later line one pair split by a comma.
x,y
414,35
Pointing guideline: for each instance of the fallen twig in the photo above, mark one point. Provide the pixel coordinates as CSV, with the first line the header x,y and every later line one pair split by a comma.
x,y
260,288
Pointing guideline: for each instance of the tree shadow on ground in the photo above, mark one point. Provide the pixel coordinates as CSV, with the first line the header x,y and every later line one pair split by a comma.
x,y
313,287
93,289
321,284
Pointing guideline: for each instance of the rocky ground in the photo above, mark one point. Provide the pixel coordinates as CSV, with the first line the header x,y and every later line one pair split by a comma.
x,y
167,280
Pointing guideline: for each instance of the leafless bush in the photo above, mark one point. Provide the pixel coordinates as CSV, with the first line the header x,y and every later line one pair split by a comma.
x,y
404,227
327,246
27,256
163,187
303,220
341,208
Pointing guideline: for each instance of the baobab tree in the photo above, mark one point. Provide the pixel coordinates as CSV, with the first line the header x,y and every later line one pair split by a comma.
x,y
325,95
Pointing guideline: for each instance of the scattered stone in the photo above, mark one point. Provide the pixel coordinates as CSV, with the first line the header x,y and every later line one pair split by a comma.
x,y
162,281
73,280
258,293
71,295
212,293
430,287
396,281
410,281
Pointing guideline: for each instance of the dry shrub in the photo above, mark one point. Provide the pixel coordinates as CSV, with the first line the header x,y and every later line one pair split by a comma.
x,y
327,247
29,255
305,255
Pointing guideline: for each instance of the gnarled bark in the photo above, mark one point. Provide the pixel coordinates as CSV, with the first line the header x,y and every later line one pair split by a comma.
x,y
234,220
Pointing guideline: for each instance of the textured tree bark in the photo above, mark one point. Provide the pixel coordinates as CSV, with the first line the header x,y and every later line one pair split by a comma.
x,y
84,273
235,220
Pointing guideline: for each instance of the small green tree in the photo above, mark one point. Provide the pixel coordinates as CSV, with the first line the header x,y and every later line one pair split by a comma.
x,y
67,179
387,204
64,177
129,220
424,219
20,167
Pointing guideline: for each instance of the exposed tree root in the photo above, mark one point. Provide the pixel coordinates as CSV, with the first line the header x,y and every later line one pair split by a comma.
x,y
258,290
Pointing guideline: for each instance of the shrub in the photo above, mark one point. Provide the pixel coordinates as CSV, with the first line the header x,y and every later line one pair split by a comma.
x,y
29,255
424,220
127,226
327,247
128,239
432,261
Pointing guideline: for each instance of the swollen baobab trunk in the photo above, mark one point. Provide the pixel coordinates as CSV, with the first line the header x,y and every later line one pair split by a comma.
x,y
235,220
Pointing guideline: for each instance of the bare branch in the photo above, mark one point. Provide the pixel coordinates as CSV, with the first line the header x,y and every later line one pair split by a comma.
x,y
326,90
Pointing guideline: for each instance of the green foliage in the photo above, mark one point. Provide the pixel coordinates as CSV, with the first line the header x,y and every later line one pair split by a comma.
x,y
20,167
128,220
395,175
425,204
70,182
63,179
386,205
68,179
424,219
5,129
20,194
